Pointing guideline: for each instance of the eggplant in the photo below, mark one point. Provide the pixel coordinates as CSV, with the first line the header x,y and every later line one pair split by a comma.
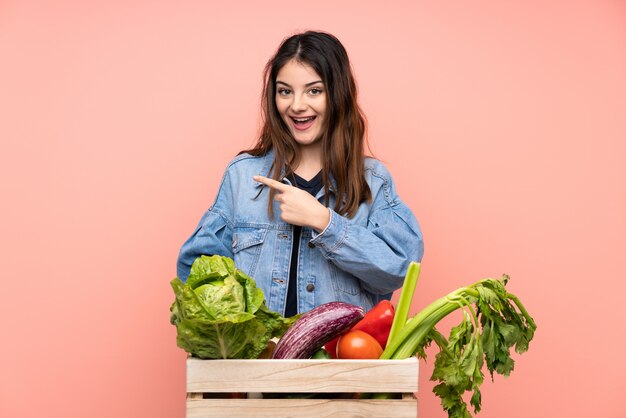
x,y
315,328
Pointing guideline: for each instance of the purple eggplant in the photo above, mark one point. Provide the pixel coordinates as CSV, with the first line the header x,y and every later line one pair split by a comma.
x,y
315,328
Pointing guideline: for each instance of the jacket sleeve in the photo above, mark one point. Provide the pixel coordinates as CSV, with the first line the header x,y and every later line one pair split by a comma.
x,y
378,254
214,233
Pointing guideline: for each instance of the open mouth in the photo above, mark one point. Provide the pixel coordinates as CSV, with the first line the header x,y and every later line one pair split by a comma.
x,y
303,123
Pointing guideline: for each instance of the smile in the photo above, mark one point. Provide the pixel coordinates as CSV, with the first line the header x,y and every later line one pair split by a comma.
x,y
302,124
303,120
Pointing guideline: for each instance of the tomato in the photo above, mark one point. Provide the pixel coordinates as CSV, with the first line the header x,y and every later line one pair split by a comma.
x,y
357,344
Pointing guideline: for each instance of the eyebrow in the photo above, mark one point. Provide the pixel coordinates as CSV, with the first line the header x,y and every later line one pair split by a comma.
x,y
306,85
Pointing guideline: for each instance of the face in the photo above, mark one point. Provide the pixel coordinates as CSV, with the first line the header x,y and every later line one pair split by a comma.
x,y
301,101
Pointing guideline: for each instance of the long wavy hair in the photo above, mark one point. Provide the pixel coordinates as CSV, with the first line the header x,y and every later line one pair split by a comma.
x,y
344,135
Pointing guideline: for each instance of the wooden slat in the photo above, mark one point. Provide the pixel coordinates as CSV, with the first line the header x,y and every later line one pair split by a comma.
x,y
302,375
301,408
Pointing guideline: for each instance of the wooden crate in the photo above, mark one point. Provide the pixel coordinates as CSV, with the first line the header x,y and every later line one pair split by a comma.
x,y
209,383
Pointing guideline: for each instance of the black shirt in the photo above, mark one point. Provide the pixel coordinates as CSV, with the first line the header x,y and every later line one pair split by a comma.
x,y
312,186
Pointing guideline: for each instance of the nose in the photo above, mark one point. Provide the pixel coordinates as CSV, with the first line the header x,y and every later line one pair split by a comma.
x,y
299,103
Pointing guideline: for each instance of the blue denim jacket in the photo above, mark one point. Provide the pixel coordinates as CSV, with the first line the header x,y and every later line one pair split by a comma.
x,y
358,260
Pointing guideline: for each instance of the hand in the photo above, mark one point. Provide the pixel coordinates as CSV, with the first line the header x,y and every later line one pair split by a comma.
x,y
297,207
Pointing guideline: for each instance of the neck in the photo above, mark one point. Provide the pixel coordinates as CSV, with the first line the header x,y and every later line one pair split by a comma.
x,y
310,161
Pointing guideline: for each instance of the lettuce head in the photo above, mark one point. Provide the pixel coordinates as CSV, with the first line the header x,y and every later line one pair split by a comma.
x,y
220,313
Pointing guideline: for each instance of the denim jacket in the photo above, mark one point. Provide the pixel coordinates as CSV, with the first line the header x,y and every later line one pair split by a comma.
x,y
358,260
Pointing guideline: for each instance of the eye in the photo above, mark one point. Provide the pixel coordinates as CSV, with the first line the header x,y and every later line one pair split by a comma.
x,y
283,91
316,91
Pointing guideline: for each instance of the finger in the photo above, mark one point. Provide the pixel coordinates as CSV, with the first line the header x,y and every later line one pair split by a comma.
x,y
281,187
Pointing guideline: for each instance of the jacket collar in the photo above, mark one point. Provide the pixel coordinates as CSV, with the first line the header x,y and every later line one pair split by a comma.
x,y
268,159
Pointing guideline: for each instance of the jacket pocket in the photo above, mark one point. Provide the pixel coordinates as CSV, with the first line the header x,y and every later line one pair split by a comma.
x,y
344,282
247,245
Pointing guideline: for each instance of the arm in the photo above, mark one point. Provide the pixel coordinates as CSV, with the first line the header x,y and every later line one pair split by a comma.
x,y
378,254
297,207
214,233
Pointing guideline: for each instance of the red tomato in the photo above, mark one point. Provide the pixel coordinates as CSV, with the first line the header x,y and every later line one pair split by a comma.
x,y
357,344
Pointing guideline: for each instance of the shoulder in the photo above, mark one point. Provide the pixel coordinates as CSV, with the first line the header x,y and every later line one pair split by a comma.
x,y
237,177
375,170
244,159
380,181
248,163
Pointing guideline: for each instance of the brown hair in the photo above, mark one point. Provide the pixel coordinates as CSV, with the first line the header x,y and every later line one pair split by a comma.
x,y
344,138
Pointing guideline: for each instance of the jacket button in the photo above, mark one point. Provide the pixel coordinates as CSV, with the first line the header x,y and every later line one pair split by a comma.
x,y
310,245
310,287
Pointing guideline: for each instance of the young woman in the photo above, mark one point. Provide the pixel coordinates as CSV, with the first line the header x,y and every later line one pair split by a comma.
x,y
304,212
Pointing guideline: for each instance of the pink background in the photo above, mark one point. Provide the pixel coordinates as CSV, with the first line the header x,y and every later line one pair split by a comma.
x,y
504,124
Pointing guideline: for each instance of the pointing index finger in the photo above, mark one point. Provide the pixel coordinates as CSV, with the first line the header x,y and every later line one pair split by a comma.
x,y
271,183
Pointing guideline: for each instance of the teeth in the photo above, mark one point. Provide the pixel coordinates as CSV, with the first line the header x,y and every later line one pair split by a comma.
x,y
303,119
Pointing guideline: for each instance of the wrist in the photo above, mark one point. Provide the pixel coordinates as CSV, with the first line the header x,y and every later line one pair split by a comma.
x,y
322,220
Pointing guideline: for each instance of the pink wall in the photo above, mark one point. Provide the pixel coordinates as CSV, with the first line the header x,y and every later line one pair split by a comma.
x,y
503,123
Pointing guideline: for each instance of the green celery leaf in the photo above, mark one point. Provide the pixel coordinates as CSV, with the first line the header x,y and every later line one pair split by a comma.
x,y
476,400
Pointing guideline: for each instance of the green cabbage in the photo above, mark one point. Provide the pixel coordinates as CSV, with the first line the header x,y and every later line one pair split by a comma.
x,y
220,313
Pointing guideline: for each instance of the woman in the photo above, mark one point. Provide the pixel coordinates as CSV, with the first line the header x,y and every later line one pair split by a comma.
x,y
304,212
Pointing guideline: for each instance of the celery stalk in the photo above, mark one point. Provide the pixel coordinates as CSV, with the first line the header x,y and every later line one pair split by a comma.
x,y
404,303
416,329
495,321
